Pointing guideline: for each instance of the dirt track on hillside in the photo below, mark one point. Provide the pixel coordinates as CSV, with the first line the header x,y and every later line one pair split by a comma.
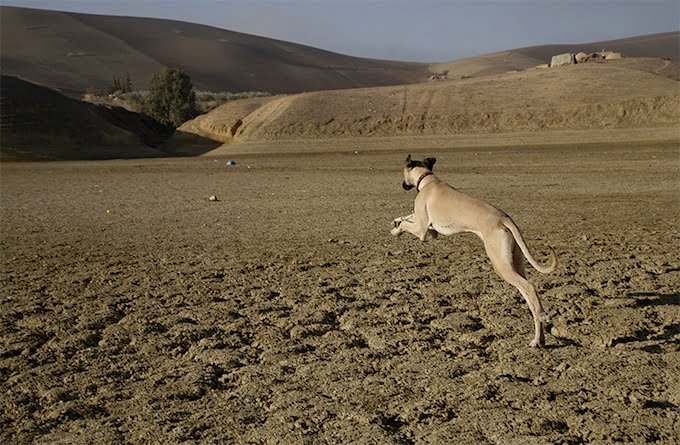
x,y
134,310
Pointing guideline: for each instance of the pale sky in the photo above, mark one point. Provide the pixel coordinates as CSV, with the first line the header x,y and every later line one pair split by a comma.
x,y
414,30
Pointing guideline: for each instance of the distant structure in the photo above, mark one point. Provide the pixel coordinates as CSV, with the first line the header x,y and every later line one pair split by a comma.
x,y
611,55
440,76
581,57
571,58
562,59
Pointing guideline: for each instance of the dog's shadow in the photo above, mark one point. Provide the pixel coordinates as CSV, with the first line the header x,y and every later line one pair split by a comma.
x,y
562,343
645,299
640,300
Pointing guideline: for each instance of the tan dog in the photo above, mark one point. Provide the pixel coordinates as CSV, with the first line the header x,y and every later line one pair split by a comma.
x,y
439,208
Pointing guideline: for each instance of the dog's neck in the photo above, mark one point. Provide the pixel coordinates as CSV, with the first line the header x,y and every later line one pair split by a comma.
x,y
420,179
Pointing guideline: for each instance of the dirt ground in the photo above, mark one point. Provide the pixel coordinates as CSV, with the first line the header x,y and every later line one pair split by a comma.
x,y
134,310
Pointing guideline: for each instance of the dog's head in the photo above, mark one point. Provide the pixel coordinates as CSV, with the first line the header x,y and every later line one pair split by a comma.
x,y
414,169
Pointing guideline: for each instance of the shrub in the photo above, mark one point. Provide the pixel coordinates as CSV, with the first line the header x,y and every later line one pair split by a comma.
x,y
171,99
136,101
120,84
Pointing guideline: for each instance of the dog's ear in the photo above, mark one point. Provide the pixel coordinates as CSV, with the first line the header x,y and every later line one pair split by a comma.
x,y
408,160
429,162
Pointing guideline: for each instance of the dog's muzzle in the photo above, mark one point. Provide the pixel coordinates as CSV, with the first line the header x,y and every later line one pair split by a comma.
x,y
407,186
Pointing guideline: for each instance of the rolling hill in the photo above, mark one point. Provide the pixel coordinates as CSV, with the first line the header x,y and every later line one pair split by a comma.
x,y
662,45
76,52
492,94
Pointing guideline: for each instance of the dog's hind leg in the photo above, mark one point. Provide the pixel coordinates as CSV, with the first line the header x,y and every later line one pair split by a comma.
x,y
507,261
518,261
543,317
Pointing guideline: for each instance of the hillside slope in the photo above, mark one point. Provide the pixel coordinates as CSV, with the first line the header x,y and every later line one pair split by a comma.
x,y
578,97
37,123
76,52
657,46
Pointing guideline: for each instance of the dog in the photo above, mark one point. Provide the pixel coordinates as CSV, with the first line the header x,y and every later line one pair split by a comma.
x,y
441,209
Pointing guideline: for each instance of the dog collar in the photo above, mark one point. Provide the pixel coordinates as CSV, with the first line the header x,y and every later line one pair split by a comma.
x,y
423,176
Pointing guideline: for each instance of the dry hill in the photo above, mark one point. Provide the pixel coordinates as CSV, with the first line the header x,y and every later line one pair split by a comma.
x,y
657,46
38,123
661,45
593,97
485,95
76,52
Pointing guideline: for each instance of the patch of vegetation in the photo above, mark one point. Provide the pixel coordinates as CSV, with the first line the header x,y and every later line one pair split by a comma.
x,y
171,90
171,99
205,100
209,96
208,100
120,84
136,100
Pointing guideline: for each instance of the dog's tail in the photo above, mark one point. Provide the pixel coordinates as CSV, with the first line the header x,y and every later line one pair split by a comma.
x,y
510,224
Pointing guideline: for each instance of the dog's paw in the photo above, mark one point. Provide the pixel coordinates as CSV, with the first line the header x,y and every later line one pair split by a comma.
x,y
409,218
396,231
397,221
537,343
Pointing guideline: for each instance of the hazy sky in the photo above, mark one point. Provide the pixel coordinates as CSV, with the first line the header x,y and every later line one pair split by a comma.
x,y
419,30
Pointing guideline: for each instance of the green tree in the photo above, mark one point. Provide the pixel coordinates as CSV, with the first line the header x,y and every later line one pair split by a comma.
x,y
171,99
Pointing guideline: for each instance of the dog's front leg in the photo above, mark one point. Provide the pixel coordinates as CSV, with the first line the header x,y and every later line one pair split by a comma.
x,y
414,224
398,220
420,231
396,223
